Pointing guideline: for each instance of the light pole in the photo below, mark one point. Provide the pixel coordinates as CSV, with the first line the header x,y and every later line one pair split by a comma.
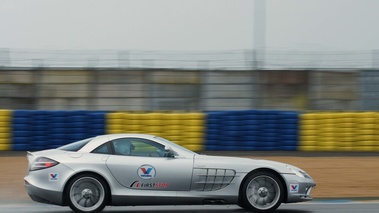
x,y
259,33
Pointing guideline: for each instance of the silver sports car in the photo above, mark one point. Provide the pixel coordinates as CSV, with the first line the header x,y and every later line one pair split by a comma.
x,y
138,169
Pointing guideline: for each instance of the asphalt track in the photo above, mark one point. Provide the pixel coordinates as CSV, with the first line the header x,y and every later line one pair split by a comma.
x,y
310,207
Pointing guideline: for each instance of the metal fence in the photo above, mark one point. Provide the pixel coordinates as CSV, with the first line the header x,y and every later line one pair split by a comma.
x,y
193,60
189,90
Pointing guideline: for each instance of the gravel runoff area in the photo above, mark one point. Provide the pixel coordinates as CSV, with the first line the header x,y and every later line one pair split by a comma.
x,y
338,175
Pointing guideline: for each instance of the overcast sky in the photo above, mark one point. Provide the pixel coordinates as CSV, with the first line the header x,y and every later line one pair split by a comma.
x,y
187,24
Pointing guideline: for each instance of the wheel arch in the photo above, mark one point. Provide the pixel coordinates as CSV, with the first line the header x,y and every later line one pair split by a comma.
x,y
64,201
272,171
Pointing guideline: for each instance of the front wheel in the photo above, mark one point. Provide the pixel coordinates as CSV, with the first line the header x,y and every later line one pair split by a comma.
x,y
262,192
87,193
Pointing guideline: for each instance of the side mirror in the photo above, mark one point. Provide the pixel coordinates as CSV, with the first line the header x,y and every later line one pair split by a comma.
x,y
169,152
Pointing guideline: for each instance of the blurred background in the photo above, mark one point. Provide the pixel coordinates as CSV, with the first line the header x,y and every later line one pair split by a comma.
x,y
234,75
154,80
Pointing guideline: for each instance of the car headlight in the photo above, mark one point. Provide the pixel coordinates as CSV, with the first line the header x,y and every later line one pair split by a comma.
x,y
297,172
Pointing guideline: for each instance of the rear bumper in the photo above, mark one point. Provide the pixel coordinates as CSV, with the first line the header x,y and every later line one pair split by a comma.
x,y
44,196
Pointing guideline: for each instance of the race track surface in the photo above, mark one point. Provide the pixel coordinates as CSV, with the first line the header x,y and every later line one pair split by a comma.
x,y
310,207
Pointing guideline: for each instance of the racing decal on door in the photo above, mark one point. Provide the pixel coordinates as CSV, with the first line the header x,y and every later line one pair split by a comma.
x,y
146,172
138,184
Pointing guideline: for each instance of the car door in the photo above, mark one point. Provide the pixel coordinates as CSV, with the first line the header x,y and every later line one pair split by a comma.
x,y
143,166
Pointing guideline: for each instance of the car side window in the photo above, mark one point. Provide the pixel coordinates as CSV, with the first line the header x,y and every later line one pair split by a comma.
x,y
138,147
122,146
103,149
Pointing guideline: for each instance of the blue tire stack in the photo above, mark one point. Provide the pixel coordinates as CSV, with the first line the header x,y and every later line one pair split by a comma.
x,y
21,129
58,128
268,130
231,131
39,129
261,130
251,120
97,123
82,124
42,129
77,124
212,134
234,130
288,131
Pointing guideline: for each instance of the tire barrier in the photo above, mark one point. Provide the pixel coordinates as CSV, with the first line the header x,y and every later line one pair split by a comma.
x,y
240,130
186,129
339,131
252,130
41,129
5,127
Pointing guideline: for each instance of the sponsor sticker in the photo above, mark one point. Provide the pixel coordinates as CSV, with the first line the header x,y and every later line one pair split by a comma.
x,y
53,176
146,172
138,184
294,188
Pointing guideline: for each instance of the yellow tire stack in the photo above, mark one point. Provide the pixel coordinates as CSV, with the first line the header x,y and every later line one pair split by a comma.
x,y
172,127
115,123
186,129
193,131
319,131
339,131
5,130
376,136
346,131
366,131
327,127
133,123
151,123
309,132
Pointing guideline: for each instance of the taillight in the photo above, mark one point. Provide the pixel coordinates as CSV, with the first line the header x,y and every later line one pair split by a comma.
x,y
43,163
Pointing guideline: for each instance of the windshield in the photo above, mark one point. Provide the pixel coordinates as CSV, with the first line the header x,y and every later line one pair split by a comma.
x,y
174,145
75,146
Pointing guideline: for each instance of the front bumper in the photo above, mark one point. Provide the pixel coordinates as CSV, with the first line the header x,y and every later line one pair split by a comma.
x,y
298,189
43,196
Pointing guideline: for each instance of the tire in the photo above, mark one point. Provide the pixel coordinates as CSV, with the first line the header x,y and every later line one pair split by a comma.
x,y
262,192
87,193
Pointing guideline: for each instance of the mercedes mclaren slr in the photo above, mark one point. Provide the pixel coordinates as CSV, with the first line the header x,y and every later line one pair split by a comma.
x,y
139,169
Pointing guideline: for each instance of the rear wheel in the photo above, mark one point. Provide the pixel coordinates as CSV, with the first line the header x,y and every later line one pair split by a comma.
x,y
262,192
87,193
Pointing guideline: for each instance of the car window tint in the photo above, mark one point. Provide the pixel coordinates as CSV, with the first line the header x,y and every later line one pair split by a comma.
x,y
103,149
138,147
122,146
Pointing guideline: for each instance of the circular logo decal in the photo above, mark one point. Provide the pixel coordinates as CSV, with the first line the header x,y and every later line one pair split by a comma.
x,y
146,172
